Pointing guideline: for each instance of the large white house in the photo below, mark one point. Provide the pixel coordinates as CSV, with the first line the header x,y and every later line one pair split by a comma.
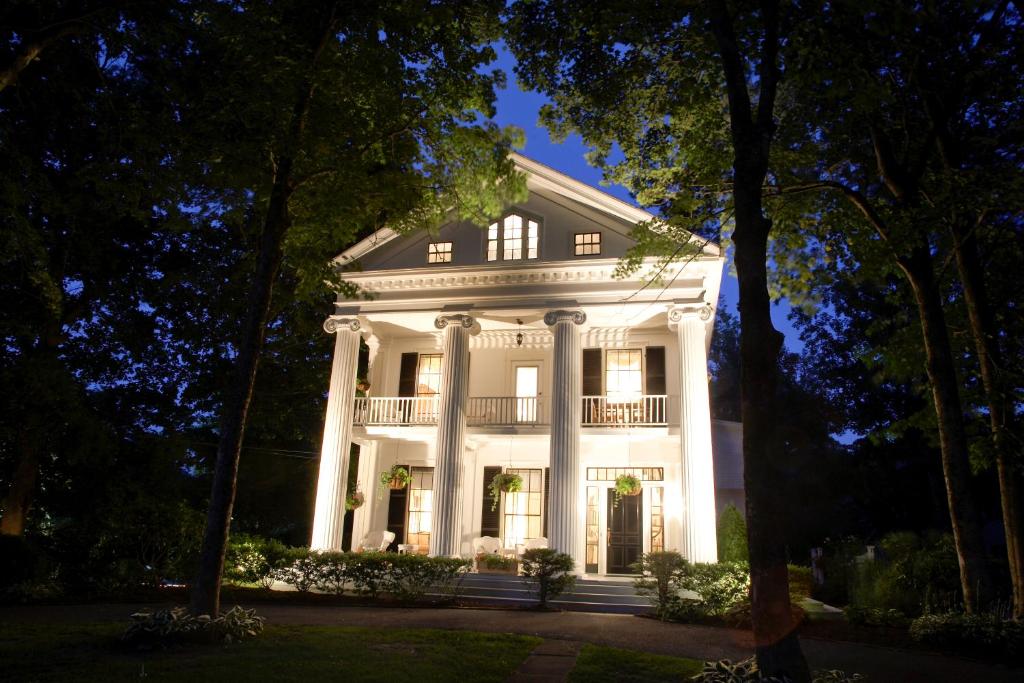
x,y
512,347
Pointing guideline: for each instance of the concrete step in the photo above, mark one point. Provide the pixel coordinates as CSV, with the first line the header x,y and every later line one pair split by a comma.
x,y
591,595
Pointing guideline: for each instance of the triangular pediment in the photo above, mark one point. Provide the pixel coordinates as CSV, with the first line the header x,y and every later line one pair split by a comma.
x,y
561,208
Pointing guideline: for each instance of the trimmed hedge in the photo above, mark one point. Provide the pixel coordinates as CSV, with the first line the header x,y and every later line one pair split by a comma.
x,y
406,577
978,634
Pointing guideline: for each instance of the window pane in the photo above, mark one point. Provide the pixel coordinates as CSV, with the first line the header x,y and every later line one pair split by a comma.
x,y
421,504
429,375
523,510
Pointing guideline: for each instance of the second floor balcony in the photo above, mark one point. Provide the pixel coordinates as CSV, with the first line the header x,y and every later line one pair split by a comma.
x,y
513,411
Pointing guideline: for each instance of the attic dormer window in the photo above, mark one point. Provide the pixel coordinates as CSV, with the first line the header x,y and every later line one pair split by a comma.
x,y
513,238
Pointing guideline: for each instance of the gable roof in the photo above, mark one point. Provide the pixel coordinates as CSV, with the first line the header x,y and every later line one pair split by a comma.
x,y
540,177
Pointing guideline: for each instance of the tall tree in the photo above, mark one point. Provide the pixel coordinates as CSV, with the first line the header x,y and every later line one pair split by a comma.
x,y
889,108
651,78
323,120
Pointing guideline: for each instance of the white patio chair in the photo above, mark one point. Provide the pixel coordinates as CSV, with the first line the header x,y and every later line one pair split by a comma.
x,y
376,541
530,544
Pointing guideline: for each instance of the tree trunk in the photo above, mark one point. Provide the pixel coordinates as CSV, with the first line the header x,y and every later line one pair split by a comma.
x,y
16,503
989,360
975,581
777,647
775,639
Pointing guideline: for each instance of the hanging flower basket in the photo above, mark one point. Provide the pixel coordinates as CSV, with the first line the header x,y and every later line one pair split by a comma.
x,y
626,485
355,500
503,483
396,478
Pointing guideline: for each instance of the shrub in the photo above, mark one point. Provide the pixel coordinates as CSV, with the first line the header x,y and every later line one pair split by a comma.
x,y
299,568
371,573
332,572
497,562
549,572
447,574
252,559
658,579
725,671
413,576
985,634
722,587
164,627
732,536
801,583
874,616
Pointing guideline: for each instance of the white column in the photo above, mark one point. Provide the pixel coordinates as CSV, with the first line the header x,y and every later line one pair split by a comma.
x,y
565,517
700,542
329,515
445,532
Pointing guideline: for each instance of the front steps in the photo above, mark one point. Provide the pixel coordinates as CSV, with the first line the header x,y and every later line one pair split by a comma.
x,y
614,596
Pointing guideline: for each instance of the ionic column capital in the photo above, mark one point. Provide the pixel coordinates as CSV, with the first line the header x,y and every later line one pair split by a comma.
x,y
457,320
680,313
336,323
552,318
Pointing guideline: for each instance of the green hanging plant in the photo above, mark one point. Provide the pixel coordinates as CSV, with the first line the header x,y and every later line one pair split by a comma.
x,y
509,483
354,500
626,485
396,478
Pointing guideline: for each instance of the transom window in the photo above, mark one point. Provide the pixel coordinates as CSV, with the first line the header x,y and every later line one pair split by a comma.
x,y
523,509
439,252
588,244
513,238
623,374
428,374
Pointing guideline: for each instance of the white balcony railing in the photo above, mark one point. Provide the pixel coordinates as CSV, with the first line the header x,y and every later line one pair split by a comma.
x,y
506,410
497,411
607,411
416,410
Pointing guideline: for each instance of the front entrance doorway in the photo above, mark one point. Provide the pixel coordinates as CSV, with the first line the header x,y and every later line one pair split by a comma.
x,y
625,533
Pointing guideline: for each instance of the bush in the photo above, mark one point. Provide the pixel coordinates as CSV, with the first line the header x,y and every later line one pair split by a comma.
x,y
732,536
252,559
722,587
165,627
26,573
549,572
300,568
370,573
658,580
801,583
874,616
496,562
911,575
983,634
331,572
412,576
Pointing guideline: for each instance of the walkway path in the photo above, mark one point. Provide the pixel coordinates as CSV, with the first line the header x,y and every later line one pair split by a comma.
x,y
635,633
550,662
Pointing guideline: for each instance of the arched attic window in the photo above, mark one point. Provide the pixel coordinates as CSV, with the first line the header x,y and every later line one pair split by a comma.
x,y
513,238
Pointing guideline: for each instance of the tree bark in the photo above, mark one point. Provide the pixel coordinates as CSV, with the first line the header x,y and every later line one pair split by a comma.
x,y
975,578
776,644
989,361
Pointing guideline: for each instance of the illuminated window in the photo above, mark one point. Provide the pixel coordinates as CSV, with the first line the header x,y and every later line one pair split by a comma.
x,y
513,238
593,530
588,244
439,252
428,375
421,508
623,374
657,519
523,509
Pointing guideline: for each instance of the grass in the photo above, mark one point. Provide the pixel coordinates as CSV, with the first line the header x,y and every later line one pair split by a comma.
x,y
92,652
599,663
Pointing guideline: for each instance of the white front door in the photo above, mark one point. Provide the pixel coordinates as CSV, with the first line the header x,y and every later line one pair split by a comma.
x,y
527,382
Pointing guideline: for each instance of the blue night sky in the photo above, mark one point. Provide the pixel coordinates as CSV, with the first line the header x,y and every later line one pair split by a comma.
x,y
520,108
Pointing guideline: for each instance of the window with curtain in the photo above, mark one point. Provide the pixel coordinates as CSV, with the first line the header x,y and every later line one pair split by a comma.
x,y
428,374
523,510
623,374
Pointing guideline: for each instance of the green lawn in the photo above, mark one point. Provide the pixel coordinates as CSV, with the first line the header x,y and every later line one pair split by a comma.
x,y
64,652
599,663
